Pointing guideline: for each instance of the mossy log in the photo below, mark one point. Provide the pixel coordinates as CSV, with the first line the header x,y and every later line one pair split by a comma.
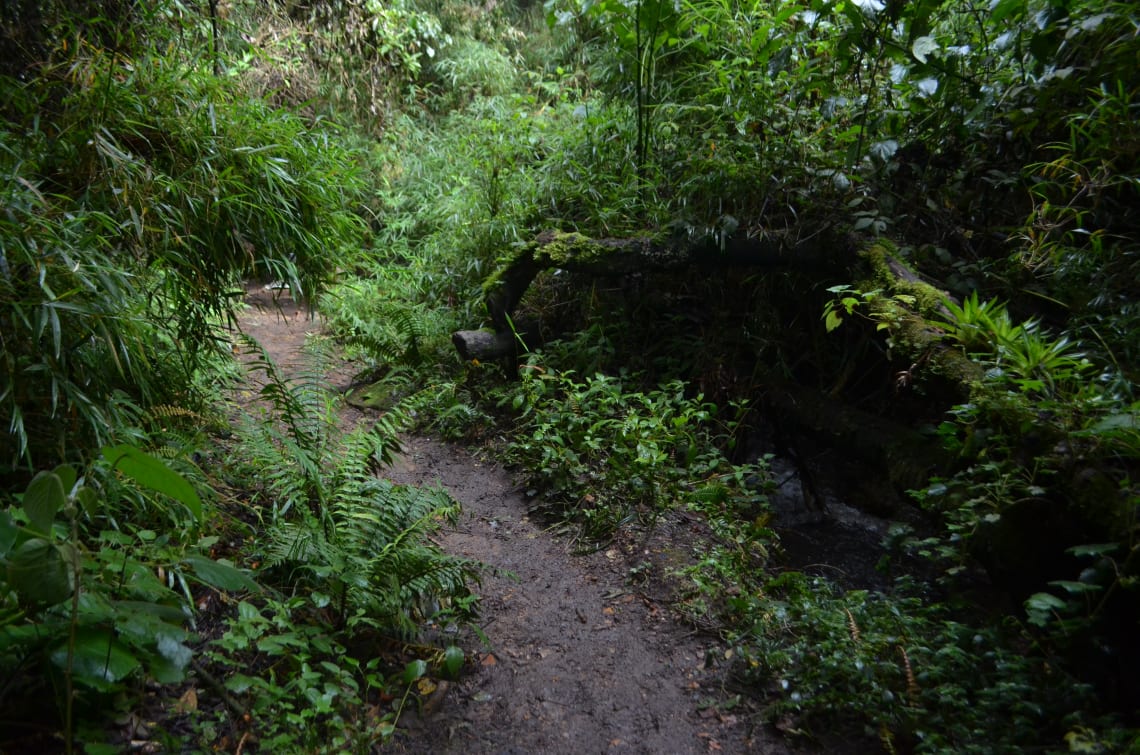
x,y
829,254
912,328
609,257
660,252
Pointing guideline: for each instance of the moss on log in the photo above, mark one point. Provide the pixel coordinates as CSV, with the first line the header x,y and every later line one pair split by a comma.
x,y
654,252
912,330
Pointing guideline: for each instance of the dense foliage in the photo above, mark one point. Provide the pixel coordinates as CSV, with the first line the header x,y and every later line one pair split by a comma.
x,y
140,189
974,165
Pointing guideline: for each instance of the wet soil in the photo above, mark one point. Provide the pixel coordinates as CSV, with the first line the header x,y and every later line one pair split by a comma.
x,y
576,656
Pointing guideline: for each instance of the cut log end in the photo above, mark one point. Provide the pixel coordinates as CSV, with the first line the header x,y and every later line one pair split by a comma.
x,y
484,345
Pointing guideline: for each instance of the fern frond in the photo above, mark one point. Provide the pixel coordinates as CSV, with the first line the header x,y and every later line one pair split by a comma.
x,y
299,403
385,332
167,411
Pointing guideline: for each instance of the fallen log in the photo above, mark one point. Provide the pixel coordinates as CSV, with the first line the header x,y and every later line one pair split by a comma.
x,y
650,253
659,252
484,345
829,254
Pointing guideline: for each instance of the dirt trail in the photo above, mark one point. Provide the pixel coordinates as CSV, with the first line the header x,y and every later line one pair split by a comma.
x,y
576,660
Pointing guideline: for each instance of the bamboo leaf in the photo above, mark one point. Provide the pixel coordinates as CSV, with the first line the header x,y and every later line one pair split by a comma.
x,y
221,575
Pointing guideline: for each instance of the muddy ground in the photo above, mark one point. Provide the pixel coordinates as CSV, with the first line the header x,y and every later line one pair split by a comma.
x,y
577,656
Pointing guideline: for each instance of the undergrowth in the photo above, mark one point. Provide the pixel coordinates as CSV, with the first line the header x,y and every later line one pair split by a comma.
x,y
997,144
349,569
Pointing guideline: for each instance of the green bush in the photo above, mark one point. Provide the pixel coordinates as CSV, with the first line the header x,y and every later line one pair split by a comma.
x,y
902,669
94,597
606,455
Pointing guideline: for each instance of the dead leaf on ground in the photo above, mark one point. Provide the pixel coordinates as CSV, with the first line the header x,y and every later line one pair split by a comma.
x,y
489,660
188,702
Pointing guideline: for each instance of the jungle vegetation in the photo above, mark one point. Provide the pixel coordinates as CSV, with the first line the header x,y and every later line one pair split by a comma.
x,y
966,332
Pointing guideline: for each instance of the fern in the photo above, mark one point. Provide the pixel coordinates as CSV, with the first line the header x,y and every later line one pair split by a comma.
x,y
177,413
392,335
394,319
450,410
336,530
300,403
371,553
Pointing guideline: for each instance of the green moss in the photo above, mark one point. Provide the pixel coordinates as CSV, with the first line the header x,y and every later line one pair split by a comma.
x,y
494,281
927,298
911,332
876,256
571,247
916,336
375,396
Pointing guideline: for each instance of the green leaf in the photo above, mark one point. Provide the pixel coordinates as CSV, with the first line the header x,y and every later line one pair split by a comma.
x,y
415,670
1003,9
452,660
924,46
88,499
1041,606
1116,422
152,473
67,476
220,575
248,612
39,573
171,615
100,659
832,321
173,658
1075,588
1096,549
239,683
42,501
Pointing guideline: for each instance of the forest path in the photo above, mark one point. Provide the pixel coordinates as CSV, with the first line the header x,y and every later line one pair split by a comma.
x,y
576,660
